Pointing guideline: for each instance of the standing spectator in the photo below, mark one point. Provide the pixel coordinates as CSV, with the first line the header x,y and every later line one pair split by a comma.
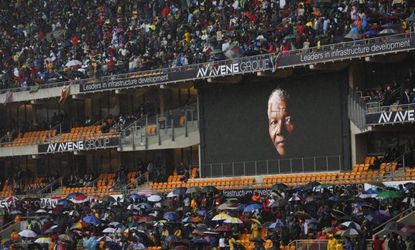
x,y
377,243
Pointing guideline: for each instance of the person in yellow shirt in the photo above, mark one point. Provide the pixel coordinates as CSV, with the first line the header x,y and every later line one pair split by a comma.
x,y
339,246
178,233
332,243
254,230
193,204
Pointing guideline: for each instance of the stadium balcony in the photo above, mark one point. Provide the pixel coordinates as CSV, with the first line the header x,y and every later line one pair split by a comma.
x,y
360,174
336,52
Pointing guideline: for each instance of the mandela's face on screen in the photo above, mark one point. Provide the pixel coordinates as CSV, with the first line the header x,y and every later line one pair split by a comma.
x,y
280,122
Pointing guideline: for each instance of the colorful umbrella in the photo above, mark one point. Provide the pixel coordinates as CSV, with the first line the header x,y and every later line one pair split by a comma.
x,y
233,220
220,217
90,219
81,198
252,207
389,194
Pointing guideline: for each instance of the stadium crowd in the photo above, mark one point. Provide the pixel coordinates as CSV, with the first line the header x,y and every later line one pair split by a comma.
x,y
202,218
44,41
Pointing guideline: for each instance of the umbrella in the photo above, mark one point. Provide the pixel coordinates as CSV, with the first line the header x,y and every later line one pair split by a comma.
x,y
279,203
252,207
43,240
388,31
226,206
389,194
65,237
146,192
353,36
72,195
180,191
202,212
233,220
81,198
256,221
109,230
170,216
351,232
104,238
73,213
351,224
192,190
370,193
223,228
221,216
154,198
210,189
295,198
27,233
145,219
73,63
90,219
289,37
276,225
136,196
408,229
279,187
393,226
144,206
14,212
41,211
63,203
171,195
302,214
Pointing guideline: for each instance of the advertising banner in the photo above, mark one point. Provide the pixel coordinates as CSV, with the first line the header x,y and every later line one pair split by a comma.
x,y
390,117
93,144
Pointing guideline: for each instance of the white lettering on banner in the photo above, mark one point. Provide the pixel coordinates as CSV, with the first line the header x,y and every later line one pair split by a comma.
x,y
400,116
355,50
79,145
243,192
211,70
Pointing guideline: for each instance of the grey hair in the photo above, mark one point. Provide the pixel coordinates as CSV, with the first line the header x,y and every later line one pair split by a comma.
x,y
280,94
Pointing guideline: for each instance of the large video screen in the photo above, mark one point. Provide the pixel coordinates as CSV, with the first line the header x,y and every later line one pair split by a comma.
x,y
270,121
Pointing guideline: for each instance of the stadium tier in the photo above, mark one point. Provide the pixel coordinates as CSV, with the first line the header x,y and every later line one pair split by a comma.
x,y
207,125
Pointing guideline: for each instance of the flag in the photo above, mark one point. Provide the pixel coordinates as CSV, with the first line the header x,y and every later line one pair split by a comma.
x,y
64,94
274,62
8,98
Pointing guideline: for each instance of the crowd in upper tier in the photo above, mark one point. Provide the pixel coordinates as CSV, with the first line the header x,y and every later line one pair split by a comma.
x,y
45,41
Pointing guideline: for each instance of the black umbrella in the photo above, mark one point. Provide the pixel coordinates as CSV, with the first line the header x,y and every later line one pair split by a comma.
x,y
279,203
311,185
279,187
302,215
210,189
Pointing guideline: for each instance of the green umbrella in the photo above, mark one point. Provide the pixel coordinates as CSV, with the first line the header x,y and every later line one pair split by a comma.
x,y
389,194
289,37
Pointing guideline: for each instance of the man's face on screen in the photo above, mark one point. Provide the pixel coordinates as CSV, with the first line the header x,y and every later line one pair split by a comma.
x,y
280,123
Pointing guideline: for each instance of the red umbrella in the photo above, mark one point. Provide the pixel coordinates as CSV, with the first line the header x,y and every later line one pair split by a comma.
x,y
81,198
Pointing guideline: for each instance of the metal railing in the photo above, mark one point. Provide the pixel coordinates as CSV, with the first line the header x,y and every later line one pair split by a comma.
x,y
284,54
308,244
160,127
379,228
392,108
279,166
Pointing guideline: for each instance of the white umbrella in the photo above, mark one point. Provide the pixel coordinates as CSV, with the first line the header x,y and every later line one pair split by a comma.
x,y
104,238
221,216
28,233
154,198
43,240
41,211
109,230
171,195
351,224
72,63
113,224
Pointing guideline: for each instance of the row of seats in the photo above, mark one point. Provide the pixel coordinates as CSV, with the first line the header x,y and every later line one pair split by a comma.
x,y
32,137
79,133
